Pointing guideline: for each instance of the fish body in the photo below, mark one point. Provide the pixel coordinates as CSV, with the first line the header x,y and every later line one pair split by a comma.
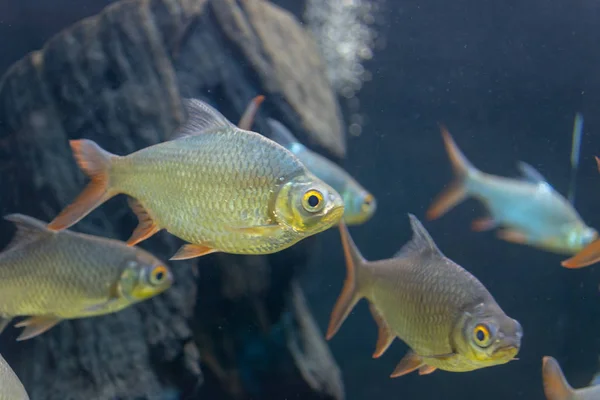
x,y
556,386
359,204
529,210
215,186
51,276
443,313
11,387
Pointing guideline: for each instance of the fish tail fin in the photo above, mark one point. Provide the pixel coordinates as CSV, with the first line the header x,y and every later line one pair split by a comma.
x,y
588,256
556,386
95,162
456,191
281,134
351,291
250,113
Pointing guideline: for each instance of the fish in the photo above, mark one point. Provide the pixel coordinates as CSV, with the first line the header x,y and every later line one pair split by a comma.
x,y
444,314
50,276
359,204
556,386
528,211
11,387
216,186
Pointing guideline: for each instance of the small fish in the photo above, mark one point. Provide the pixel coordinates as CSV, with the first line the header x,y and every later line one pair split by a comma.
x,y
359,204
11,387
556,386
529,210
216,186
442,312
50,276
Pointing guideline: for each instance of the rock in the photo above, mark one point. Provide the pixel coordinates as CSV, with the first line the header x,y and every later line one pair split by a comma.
x,y
118,78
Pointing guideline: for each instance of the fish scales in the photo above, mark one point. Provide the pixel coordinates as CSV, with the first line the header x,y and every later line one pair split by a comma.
x,y
50,276
225,186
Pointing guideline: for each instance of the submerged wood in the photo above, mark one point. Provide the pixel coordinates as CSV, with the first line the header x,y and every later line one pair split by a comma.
x,y
118,78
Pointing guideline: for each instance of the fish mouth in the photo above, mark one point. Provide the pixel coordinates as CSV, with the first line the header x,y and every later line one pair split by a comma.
x,y
508,351
334,215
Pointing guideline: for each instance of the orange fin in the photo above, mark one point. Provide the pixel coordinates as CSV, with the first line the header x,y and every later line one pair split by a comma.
x,y
426,370
588,256
512,236
385,336
409,363
447,200
556,386
455,193
483,224
248,117
351,290
598,162
95,163
146,226
188,251
35,326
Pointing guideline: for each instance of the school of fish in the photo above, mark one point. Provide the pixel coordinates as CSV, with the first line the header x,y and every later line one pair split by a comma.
x,y
225,188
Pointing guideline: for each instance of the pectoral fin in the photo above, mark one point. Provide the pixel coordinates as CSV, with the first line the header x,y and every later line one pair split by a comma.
x,y
259,230
188,251
512,236
426,370
35,326
385,335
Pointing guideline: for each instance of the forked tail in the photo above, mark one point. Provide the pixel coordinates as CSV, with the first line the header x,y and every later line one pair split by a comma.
x,y
351,292
456,191
95,163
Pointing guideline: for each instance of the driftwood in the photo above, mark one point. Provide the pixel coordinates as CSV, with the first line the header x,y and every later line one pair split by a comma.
x,y
239,327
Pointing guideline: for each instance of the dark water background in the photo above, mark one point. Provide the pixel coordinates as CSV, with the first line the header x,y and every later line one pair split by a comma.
x,y
507,78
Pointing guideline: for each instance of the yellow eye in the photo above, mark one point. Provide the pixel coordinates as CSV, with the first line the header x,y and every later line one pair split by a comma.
x,y
158,275
481,335
312,201
367,202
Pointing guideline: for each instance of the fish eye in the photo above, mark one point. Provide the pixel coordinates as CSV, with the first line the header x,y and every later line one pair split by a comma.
x,y
312,201
481,335
158,275
368,199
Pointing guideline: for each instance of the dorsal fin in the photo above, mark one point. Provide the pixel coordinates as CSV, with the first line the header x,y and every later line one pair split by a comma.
x,y
28,230
201,118
531,174
420,243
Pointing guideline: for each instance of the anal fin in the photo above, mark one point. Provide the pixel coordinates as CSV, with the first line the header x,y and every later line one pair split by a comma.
x,y
385,336
589,255
37,325
146,226
188,251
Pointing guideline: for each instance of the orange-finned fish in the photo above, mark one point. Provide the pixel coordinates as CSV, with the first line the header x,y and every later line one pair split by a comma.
x,y
556,386
50,276
588,255
214,185
11,387
359,204
529,210
442,312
